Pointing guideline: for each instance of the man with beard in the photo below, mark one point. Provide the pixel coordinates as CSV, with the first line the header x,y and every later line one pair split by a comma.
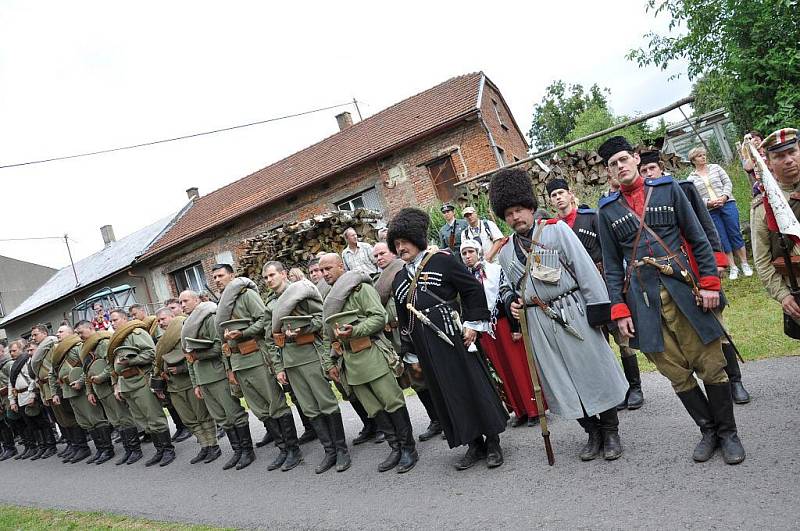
x,y
67,383
295,345
433,293
390,265
663,302
207,372
40,366
583,222
171,375
247,361
100,391
557,284
365,361
133,354
651,167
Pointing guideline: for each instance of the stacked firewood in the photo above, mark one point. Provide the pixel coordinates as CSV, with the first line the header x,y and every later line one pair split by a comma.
x,y
294,244
581,167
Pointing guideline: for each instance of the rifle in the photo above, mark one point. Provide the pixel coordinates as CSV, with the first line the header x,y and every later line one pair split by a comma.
x,y
790,326
533,367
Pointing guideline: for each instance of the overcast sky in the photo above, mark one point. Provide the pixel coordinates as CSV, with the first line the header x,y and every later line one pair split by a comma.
x,y
81,76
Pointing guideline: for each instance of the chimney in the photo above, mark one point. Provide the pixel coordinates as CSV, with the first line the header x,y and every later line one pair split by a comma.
x,y
193,193
107,231
344,120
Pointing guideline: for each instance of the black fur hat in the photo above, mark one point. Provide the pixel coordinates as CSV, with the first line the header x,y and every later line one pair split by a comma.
x,y
556,184
648,157
410,224
612,146
511,187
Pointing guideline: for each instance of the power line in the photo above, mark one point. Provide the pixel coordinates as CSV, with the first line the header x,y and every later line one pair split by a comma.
x,y
35,238
173,139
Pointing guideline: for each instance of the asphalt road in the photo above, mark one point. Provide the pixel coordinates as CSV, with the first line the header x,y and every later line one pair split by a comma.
x,y
654,484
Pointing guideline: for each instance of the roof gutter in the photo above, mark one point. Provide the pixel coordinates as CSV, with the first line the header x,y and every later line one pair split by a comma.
x,y
371,156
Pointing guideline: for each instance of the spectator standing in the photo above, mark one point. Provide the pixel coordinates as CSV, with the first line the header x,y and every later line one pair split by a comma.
x,y
716,189
450,233
357,256
483,231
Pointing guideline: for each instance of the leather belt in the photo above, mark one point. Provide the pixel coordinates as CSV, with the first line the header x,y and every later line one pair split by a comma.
x,y
130,372
554,299
664,259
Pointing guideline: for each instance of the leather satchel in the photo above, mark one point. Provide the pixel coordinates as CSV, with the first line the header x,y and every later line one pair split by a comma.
x,y
360,343
305,339
247,347
279,338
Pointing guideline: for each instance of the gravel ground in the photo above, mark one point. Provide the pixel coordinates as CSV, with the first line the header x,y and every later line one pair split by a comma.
x,y
655,483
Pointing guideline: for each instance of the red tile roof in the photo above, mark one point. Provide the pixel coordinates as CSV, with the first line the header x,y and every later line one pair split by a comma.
x,y
403,122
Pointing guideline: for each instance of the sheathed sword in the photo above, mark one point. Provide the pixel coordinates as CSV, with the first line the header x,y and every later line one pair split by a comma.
x,y
534,369
427,322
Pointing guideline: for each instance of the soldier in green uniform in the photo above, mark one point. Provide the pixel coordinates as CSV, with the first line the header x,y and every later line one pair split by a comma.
x,y
783,160
208,375
295,347
100,392
364,357
171,374
9,449
134,351
248,360
41,364
67,383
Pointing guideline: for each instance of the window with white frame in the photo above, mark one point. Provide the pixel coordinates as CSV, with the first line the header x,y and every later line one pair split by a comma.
x,y
192,277
366,199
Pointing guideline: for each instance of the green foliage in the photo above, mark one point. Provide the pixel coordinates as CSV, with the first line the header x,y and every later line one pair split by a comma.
x,y
34,519
554,117
481,204
596,118
744,54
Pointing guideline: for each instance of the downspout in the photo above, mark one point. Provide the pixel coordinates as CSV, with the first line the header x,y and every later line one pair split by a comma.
x,y
500,162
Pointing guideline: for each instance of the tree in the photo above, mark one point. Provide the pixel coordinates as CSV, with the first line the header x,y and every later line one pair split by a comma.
x,y
596,118
554,117
744,54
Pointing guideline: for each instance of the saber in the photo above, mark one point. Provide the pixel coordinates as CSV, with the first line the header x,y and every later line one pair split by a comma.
x,y
555,316
534,369
427,322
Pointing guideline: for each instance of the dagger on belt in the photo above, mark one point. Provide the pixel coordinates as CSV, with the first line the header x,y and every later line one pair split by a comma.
x,y
555,316
427,322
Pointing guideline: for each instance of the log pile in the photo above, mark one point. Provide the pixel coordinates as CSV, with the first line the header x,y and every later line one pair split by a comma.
x,y
294,244
583,168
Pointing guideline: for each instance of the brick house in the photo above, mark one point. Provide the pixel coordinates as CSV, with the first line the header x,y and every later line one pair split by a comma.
x,y
410,154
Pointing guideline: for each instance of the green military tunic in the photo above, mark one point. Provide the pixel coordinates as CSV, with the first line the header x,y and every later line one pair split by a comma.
x,y
69,373
63,413
98,382
142,403
193,411
208,373
5,375
263,393
302,363
367,371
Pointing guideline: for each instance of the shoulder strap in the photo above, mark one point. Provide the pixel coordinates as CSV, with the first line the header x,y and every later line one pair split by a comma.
x,y
412,288
642,225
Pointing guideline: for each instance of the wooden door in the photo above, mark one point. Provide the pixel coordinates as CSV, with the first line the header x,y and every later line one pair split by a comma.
x,y
444,178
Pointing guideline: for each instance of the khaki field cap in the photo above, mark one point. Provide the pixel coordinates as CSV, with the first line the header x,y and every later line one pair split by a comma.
x,y
468,210
780,140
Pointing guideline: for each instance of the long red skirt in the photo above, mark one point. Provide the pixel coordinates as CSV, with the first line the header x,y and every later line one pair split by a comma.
x,y
511,363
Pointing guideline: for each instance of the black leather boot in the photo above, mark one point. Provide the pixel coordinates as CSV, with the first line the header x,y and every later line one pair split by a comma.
x,y
384,423
698,407
494,454
405,436
107,444
594,446
368,431
740,394
320,424
7,440
213,454
434,429
308,430
634,399
97,446
66,434
721,402
233,437
246,446
124,435
181,431
609,429
49,441
475,452
81,445
166,445
158,445
336,427
267,438
294,456
201,456
29,441
135,445
274,430
39,438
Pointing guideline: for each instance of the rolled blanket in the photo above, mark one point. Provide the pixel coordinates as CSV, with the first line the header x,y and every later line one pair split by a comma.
x,y
63,347
228,299
290,298
90,344
120,334
339,293
192,324
384,283
41,352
